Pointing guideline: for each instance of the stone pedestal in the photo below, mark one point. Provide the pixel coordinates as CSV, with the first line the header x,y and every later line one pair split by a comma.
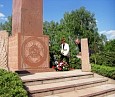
x,y
28,53
85,55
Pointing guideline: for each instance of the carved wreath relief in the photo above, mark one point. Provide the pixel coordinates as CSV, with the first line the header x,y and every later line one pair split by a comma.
x,y
34,51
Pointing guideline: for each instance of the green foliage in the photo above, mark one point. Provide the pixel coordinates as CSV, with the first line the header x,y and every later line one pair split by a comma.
x,y
79,22
104,58
107,56
75,62
82,23
11,85
110,46
104,70
7,25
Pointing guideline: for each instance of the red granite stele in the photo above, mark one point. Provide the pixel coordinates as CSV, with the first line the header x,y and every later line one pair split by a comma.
x,y
28,47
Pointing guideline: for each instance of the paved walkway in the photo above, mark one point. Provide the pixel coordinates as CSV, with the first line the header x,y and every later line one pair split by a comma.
x,y
111,81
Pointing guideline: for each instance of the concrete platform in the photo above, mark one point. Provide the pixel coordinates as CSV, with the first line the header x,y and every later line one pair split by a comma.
x,y
50,77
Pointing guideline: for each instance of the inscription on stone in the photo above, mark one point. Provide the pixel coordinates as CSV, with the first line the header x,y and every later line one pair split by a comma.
x,y
34,51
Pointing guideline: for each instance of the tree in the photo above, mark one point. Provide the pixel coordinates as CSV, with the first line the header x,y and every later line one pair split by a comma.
x,y
79,22
110,46
107,55
82,23
7,25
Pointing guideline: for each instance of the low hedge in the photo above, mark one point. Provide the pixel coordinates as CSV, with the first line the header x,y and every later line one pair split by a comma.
x,y
11,85
106,71
103,58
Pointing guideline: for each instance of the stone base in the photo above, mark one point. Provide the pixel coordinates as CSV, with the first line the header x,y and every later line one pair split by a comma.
x,y
28,53
41,70
31,71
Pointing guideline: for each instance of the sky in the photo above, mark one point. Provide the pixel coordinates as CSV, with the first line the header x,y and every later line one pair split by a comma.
x,y
104,11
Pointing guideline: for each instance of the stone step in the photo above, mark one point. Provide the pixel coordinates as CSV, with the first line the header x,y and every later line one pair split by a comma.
x,y
42,69
111,95
51,77
55,88
107,90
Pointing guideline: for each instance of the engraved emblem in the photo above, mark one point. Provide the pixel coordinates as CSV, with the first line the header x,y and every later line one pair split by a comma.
x,y
34,51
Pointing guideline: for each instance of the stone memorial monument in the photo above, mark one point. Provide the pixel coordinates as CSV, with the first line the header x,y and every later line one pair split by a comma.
x,y
86,66
28,47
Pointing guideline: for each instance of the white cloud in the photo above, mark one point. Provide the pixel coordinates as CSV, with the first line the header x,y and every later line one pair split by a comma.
x,y
2,17
1,5
97,21
110,34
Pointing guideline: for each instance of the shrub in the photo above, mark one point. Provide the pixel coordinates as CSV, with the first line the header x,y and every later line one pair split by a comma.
x,y
75,62
104,58
104,70
11,85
